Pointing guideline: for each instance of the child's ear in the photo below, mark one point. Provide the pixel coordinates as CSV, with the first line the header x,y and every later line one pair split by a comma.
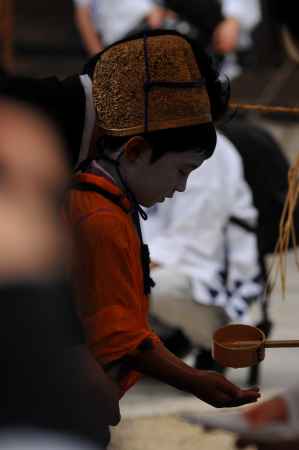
x,y
134,148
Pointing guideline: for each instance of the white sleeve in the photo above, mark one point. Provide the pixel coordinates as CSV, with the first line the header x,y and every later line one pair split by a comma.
x,y
248,12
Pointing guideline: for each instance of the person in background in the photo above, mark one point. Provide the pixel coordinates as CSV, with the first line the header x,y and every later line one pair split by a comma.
x,y
102,22
232,38
223,26
49,380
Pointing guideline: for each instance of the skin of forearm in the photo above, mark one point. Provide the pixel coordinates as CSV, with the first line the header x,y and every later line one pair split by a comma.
x,y
88,33
162,365
211,387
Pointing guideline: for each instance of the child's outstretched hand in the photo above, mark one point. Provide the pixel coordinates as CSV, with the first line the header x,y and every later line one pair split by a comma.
x,y
215,389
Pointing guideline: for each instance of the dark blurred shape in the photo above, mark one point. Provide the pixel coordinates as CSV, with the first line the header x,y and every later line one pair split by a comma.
x,y
204,15
45,40
285,13
205,361
48,378
63,102
6,35
45,29
260,151
34,439
174,339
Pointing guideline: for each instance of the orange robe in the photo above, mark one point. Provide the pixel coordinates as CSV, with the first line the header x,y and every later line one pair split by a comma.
x,y
109,276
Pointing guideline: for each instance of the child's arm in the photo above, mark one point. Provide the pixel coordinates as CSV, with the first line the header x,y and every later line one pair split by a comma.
x,y
208,386
119,325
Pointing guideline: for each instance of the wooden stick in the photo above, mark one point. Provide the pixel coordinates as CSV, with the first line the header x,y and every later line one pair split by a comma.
x,y
279,344
264,108
240,344
266,344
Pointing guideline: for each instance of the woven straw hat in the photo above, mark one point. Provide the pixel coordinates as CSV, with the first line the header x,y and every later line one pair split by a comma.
x,y
149,84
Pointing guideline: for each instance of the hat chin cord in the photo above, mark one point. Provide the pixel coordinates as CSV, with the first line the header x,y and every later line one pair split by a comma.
x,y
129,193
144,251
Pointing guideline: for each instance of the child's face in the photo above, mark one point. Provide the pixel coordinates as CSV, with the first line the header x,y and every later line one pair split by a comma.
x,y
153,182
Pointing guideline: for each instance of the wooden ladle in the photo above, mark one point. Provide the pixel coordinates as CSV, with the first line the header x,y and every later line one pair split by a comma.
x,y
243,345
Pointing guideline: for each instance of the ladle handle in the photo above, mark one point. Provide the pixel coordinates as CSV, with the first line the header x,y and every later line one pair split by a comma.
x,y
277,344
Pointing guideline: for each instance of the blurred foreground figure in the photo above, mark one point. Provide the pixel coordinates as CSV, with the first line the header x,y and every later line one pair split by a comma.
x,y
48,378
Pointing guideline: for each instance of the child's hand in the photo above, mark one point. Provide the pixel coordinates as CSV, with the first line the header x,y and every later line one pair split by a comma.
x,y
215,389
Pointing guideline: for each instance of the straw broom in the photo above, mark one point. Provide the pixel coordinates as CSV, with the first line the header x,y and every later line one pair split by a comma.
x,y
287,230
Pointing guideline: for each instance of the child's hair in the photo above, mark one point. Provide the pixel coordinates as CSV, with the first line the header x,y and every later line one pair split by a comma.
x,y
200,138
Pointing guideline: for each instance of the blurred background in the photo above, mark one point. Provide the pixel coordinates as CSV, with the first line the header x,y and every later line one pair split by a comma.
x,y
46,41
42,39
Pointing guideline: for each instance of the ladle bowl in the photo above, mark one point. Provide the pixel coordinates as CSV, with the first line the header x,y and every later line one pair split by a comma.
x,y
243,345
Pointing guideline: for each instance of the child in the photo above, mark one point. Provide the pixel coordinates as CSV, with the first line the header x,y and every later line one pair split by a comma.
x,y
155,100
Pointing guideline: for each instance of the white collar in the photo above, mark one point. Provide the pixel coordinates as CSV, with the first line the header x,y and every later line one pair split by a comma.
x,y
97,166
90,118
